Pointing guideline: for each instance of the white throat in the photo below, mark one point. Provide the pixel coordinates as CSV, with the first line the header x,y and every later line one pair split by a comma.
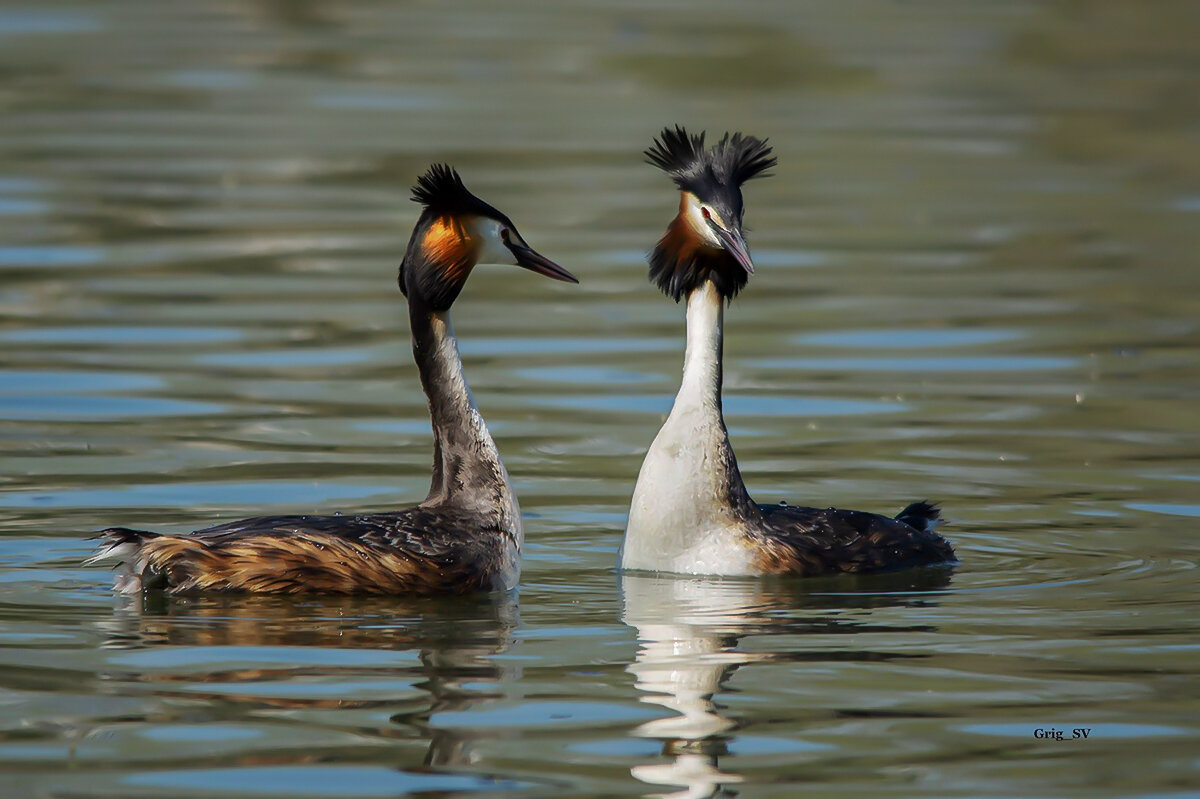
x,y
682,518
700,388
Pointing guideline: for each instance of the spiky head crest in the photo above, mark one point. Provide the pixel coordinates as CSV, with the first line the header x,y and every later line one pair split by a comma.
x,y
442,193
710,179
457,230
726,165
440,252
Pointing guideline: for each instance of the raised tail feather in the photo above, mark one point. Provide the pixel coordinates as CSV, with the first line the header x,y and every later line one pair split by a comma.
x,y
123,547
923,515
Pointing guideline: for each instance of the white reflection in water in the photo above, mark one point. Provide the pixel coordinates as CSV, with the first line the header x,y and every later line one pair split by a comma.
x,y
687,633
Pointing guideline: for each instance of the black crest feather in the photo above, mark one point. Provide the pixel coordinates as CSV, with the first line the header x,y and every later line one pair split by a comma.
x,y
679,263
441,191
675,152
728,164
439,186
745,157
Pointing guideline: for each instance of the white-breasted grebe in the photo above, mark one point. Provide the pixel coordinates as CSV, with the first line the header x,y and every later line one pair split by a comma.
x,y
466,536
691,512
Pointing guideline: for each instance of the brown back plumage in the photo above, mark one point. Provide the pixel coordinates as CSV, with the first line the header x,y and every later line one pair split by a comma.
x,y
812,541
419,551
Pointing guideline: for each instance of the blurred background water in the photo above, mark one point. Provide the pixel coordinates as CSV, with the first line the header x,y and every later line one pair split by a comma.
x,y
977,283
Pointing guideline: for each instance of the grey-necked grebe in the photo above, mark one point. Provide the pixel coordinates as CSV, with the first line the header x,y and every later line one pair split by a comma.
x,y
691,512
466,536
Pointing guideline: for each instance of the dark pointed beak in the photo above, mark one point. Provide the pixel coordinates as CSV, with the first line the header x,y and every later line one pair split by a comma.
x,y
536,262
733,241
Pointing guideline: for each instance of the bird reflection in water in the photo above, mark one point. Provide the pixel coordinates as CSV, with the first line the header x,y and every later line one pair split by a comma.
x,y
455,642
689,632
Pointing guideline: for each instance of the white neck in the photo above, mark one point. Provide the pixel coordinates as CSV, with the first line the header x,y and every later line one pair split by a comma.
x,y
700,388
687,506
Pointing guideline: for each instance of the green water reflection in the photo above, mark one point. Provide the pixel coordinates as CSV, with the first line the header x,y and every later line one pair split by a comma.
x,y
976,283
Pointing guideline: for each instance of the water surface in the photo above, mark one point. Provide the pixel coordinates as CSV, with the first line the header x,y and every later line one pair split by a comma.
x,y
977,283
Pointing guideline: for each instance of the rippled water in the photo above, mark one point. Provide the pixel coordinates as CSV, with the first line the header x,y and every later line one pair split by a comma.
x,y
977,283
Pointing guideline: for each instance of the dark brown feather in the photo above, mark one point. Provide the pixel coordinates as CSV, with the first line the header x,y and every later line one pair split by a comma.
x,y
419,551
812,541
681,262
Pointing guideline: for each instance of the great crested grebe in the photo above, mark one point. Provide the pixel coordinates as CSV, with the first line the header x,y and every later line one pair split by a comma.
x,y
691,512
466,536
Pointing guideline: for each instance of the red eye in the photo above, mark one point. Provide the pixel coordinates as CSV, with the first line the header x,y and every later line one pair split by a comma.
x,y
704,211
504,235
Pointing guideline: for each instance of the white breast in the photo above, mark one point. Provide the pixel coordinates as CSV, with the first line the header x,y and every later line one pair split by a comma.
x,y
681,519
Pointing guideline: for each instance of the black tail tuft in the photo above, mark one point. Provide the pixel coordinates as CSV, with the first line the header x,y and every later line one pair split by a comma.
x,y
116,536
923,515
122,547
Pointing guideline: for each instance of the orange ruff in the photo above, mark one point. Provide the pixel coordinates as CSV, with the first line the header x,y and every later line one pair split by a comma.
x,y
447,243
301,563
684,239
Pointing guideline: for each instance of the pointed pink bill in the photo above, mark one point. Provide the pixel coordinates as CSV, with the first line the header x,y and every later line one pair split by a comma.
x,y
736,245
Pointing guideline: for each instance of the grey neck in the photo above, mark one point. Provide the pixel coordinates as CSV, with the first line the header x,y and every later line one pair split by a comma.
x,y
467,471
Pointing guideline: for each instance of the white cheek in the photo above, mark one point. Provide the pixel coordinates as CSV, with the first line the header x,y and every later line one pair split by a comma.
x,y
491,246
695,218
